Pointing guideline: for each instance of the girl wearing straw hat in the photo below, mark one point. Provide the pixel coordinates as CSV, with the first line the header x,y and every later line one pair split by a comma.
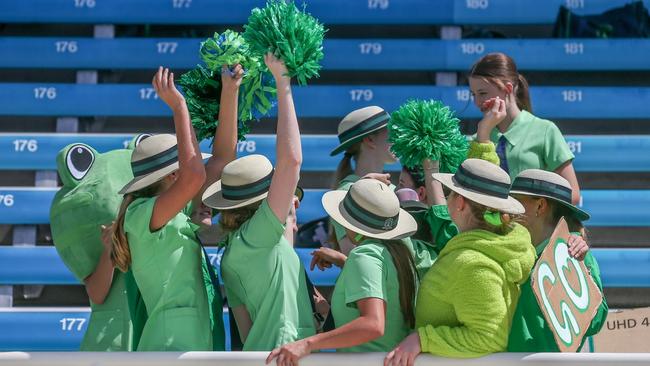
x,y
154,236
466,300
264,278
372,303
363,136
547,198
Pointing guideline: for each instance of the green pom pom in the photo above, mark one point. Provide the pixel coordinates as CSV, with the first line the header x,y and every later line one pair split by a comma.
x,y
290,34
422,130
202,91
202,86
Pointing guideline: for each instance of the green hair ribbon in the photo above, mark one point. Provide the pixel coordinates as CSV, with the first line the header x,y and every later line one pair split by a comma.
x,y
493,218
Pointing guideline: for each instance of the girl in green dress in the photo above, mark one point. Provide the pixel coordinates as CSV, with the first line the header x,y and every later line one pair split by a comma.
x,y
264,278
155,238
373,298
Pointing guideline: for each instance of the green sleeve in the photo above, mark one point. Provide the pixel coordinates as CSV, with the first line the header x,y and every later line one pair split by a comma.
x,y
484,151
234,289
364,275
556,150
263,229
601,315
482,316
441,226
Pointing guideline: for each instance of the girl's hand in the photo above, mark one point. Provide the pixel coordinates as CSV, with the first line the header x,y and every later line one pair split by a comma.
x,y
107,235
578,247
289,354
405,353
382,177
494,111
163,83
324,258
276,66
231,80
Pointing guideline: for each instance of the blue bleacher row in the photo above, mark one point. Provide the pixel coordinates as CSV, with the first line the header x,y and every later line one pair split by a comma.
x,y
62,329
340,54
574,102
610,153
609,208
328,11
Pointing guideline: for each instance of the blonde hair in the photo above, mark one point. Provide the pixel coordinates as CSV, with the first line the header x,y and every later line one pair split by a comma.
x,y
345,165
478,211
120,251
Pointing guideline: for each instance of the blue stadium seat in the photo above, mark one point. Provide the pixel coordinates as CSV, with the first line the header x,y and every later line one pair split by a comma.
x,y
615,208
328,11
58,329
51,329
340,54
611,153
42,265
50,99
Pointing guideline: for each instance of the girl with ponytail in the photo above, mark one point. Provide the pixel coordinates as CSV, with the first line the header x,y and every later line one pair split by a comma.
x,y
523,141
373,300
154,236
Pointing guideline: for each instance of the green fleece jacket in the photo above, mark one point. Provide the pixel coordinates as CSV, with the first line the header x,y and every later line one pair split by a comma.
x,y
530,332
467,299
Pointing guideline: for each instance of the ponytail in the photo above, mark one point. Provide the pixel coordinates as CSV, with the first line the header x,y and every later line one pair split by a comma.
x,y
345,165
407,277
522,94
120,253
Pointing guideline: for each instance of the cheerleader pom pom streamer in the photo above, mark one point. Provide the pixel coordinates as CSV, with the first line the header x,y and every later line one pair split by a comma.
x,y
290,34
257,94
422,130
202,91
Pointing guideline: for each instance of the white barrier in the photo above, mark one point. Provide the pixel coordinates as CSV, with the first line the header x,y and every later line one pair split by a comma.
x,y
329,359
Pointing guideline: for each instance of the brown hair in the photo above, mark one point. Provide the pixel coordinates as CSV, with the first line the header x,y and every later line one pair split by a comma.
x,y
345,165
407,277
558,211
507,220
231,220
120,252
499,68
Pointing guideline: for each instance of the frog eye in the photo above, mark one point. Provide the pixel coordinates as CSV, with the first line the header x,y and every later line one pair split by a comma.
x,y
141,137
79,160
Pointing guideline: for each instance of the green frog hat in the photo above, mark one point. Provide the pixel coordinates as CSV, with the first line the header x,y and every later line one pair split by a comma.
x,y
88,199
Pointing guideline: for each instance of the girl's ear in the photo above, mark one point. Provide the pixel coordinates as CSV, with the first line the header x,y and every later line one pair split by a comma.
x,y
369,140
509,88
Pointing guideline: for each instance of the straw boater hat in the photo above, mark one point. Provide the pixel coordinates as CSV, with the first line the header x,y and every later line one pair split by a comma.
x,y
484,183
358,124
540,183
153,159
371,209
243,181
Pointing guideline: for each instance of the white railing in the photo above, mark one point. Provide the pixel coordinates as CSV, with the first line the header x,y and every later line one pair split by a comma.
x,y
329,359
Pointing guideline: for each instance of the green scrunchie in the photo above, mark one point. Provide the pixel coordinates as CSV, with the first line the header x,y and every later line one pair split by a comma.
x,y
493,218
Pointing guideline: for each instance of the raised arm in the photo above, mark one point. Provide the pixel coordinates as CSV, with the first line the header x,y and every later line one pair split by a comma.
x,y
225,137
288,147
190,176
435,194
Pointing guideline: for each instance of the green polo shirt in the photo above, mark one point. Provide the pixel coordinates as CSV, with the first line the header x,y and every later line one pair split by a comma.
x,y
369,272
533,143
262,271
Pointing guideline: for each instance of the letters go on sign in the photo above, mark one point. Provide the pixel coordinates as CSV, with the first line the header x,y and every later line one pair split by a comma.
x,y
566,293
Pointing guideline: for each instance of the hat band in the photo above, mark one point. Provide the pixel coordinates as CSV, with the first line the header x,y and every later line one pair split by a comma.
x,y
481,184
366,217
540,187
246,191
155,162
364,126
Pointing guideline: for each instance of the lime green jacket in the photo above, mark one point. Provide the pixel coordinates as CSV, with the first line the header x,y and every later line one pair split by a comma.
x,y
467,299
